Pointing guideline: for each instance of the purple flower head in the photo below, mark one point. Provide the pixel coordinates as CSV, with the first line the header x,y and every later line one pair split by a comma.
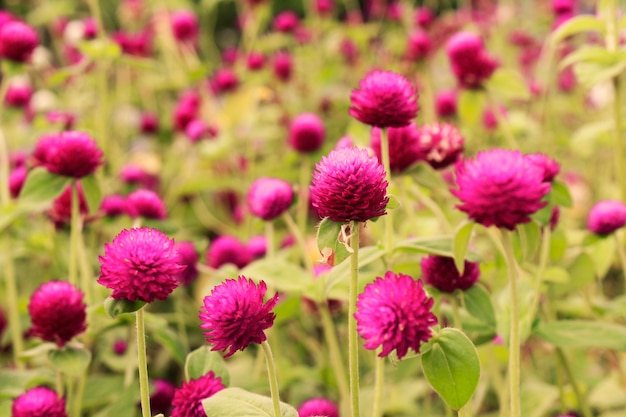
x,y
445,103
404,146
384,99
184,26
162,396
140,264
442,144
283,65
146,204
500,187
18,94
349,185
136,175
39,402
324,7
257,246
61,211
550,167
269,198
16,180
57,312
196,130
418,46
149,123
606,217
256,60
189,258
441,273
394,312
71,154
17,41
307,133
187,399
286,21
114,205
318,407
227,250
424,17
224,80
471,63
235,314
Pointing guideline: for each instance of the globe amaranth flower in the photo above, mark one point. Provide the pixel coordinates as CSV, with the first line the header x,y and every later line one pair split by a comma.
x,y
349,185
71,154
17,177
140,265
606,217
384,99
318,407
441,144
394,312
404,146
189,258
61,211
441,273
114,205
418,46
18,94
137,176
257,246
17,41
188,398
306,133
550,167
184,26
471,63
255,61
501,188
269,198
38,402
286,21
146,204
235,315
282,65
162,396
227,250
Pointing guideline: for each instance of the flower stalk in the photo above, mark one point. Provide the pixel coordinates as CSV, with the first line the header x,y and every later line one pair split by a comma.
x,y
353,347
273,380
144,387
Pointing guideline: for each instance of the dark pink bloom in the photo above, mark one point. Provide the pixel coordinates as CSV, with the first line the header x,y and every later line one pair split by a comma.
x,y
17,158
234,315
550,167
307,133
384,99
185,26
227,250
162,397
564,7
256,60
3,322
394,312
90,28
189,258
149,123
501,188
17,41
404,146
18,94
286,22
349,185
324,7
424,16
418,46
196,130
283,65
224,80
349,50
146,204
441,273
136,44
445,103
140,264
318,407
136,175
442,144
71,154
471,63
567,80
38,402
186,109
120,346
187,399
269,198
64,118
257,246
61,211
57,312
16,180
606,217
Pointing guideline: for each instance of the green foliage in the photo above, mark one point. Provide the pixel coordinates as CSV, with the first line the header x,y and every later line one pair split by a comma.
x,y
202,361
235,402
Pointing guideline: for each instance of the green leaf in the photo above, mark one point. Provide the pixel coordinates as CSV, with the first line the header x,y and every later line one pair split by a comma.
x,y
585,139
602,253
99,49
166,337
559,195
71,360
236,402
508,84
581,271
328,233
575,25
393,203
583,334
471,106
115,307
530,239
202,360
13,381
279,274
590,53
462,237
478,303
92,192
438,245
451,367
340,272
42,187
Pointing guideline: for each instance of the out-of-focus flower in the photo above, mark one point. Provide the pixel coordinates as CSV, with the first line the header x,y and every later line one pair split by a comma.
x,y
225,250
441,273
307,133
188,398
606,217
404,146
269,198
38,402
17,41
441,144
318,407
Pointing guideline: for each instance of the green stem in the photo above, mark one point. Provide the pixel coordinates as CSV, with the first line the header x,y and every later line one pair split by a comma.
x,y
86,277
353,347
269,237
456,315
78,399
384,151
296,232
180,302
543,262
333,349
582,403
379,380
621,253
74,234
5,195
271,372
59,383
429,203
12,303
144,388
70,394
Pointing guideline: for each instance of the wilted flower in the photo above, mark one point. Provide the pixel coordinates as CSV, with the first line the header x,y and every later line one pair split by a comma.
x,y
38,402
606,217
307,133
188,398
441,273
269,198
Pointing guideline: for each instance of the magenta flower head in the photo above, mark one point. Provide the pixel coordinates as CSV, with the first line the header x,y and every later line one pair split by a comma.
x,y
550,167
18,94
404,146
136,175
471,63
17,41
307,133
235,314
445,103
61,211
318,407
197,130
394,312
184,26
256,60
39,402
441,273
140,265
384,99
286,21
16,180
71,154
606,217
269,198
283,65
418,46
114,205
57,312
223,81
500,187
349,185
146,204
257,246
189,258
187,400
162,396
442,144
227,250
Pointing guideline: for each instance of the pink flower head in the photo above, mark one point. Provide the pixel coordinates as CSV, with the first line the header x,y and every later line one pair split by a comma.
x,y
17,41
257,246
186,109
324,7
394,312
162,396
564,7
18,94
65,119
442,144
606,217
227,250
16,180
256,60
384,99
424,16
197,130
404,146
184,26
349,185
349,50
71,154
146,204
418,46
234,314
286,21
140,264
445,103
3,322
57,312
318,407
307,133
269,198
38,402
136,175
90,28
136,44
224,80
500,187
230,55
187,399
61,211
149,123
189,258
283,65
550,167
441,273
471,63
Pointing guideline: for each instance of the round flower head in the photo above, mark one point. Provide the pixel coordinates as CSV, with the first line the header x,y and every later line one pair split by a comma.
x,y
146,204
136,175
162,396
187,400
471,63
257,246
286,21
61,211
282,65
17,41
418,46
441,273
224,80
307,133
140,264
196,130
394,312
18,94
184,25
149,123
442,144
384,99
349,185
500,188
256,60
39,402
269,198
114,205
189,258
550,167
234,314
318,407
227,250
606,217
16,180
71,154
404,148
57,312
